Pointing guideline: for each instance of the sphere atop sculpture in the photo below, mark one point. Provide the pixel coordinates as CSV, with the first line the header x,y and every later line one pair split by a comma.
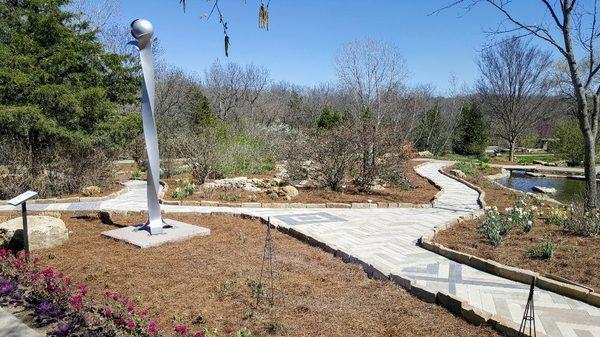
x,y
141,29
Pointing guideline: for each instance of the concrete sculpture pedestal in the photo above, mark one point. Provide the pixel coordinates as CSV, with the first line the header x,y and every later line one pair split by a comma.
x,y
140,236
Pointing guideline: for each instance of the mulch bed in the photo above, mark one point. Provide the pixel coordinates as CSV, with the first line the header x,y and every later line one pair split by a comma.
x,y
209,277
422,192
575,258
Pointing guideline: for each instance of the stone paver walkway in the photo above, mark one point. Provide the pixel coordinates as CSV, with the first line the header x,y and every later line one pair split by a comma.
x,y
10,326
386,240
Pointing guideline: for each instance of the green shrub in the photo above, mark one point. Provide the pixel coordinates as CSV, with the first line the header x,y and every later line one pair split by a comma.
x,y
544,251
183,190
582,223
137,174
570,144
466,167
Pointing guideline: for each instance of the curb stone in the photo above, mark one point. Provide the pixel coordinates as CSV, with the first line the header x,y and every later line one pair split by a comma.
x,y
515,274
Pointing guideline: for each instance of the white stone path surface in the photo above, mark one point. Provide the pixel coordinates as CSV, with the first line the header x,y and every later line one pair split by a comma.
x,y
386,240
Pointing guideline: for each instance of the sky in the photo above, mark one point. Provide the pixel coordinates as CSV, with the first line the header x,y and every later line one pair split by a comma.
x,y
305,35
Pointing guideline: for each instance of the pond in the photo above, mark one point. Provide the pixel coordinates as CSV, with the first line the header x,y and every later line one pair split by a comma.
x,y
568,190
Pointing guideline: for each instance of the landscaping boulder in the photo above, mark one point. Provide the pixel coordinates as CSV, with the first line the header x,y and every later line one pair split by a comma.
x,y
90,191
44,232
290,190
458,173
544,190
425,154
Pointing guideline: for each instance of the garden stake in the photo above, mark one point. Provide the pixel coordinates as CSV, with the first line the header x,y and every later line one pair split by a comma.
x,y
268,260
529,314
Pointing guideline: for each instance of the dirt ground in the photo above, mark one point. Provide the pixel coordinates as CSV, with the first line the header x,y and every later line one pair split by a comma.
x,y
208,279
422,192
575,258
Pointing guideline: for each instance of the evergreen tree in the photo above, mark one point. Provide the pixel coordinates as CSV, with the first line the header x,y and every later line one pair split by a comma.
x,y
59,92
430,132
330,118
471,137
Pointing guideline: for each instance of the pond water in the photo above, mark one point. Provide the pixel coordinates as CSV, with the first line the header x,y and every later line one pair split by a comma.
x,y
568,190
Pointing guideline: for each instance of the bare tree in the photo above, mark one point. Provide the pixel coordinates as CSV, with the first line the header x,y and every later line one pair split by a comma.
x,y
571,27
372,72
514,85
234,90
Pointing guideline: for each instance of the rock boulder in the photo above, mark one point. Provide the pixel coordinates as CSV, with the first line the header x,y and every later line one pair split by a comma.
x,y
44,232
544,190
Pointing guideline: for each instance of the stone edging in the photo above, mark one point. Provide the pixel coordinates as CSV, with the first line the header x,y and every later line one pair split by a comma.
x,y
547,282
74,199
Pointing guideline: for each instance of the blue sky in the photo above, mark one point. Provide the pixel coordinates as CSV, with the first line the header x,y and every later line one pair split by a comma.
x,y
306,34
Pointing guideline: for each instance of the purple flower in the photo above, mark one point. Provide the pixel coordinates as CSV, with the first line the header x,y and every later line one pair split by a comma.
x,y
63,330
7,288
43,308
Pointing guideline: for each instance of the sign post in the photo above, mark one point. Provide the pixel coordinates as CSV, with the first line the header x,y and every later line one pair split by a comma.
x,y
22,200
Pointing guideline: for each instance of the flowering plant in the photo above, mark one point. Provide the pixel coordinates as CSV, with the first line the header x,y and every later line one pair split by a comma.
x,y
65,307
497,225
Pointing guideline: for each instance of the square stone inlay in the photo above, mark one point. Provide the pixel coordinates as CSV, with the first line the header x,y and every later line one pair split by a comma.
x,y
308,218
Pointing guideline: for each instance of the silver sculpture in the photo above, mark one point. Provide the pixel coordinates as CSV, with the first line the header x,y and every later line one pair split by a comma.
x,y
142,30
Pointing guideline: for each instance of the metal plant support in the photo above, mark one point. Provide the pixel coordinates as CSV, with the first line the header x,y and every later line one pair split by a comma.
x,y
528,315
142,30
266,281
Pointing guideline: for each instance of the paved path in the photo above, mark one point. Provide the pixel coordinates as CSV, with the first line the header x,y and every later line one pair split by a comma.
x,y
10,326
386,240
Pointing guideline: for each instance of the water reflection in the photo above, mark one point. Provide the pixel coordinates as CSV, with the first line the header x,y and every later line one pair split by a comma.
x,y
568,190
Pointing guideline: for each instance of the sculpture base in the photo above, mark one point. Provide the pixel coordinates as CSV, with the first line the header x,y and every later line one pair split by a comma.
x,y
140,236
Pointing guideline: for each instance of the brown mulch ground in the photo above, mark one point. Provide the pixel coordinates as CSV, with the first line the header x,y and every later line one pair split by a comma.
x,y
209,277
422,192
575,258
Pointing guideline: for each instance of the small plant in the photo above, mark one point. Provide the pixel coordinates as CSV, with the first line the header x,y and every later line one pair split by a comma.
x,y
544,251
557,216
253,198
249,314
466,167
490,228
256,287
231,198
243,333
183,190
210,332
242,237
137,174
582,223
497,225
275,327
228,285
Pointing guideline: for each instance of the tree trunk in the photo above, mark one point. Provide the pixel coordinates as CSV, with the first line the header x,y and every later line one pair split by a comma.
x,y
589,163
511,151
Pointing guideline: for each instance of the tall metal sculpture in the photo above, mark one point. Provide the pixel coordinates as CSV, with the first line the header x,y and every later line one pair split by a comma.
x,y
142,30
